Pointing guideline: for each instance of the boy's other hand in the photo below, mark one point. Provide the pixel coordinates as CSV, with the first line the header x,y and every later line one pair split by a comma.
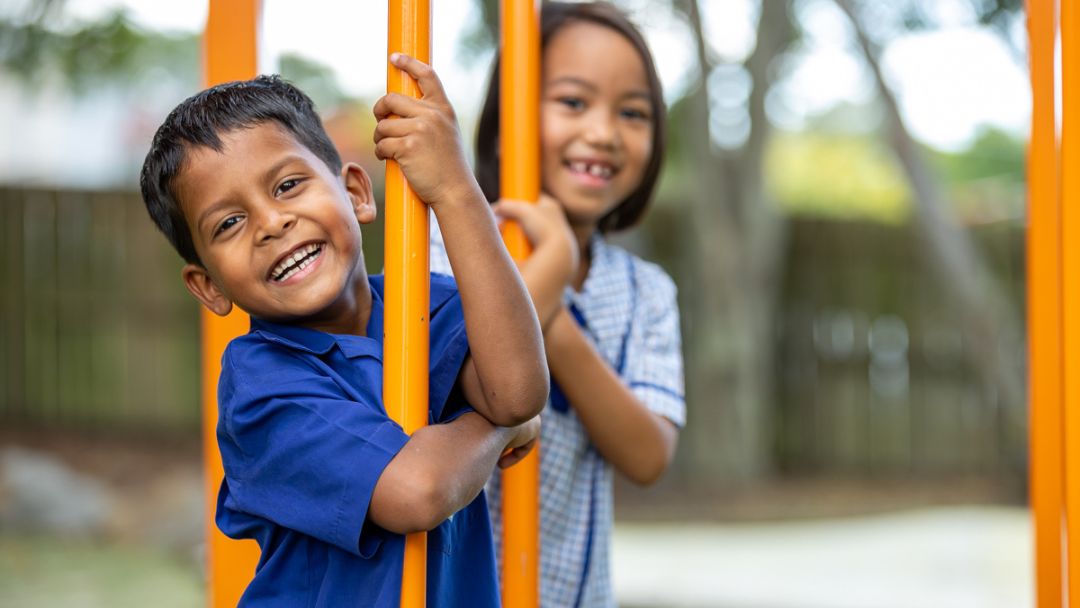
x,y
523,442
546,227
422,136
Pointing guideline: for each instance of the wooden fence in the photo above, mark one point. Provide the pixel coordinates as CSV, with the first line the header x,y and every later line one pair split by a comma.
x,y
872,371
98,333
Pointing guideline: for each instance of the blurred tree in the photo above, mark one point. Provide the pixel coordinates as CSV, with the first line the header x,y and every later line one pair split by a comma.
x,y
990,320
110,50
731,256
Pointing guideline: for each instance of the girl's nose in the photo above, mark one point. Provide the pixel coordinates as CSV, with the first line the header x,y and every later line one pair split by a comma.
x,y
602,131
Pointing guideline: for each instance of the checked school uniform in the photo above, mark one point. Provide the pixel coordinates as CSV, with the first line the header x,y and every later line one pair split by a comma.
x,y
627,308
304,437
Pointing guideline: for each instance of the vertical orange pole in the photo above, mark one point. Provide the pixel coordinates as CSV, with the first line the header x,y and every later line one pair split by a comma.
x,y
230,48
407,287
1044,263
519,118
1070,267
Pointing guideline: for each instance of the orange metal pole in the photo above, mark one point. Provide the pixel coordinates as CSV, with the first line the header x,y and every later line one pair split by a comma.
x,y
230,49
1070,267
519,118
1044,262
407,298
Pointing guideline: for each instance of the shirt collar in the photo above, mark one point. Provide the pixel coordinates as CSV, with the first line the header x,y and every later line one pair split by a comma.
x,y
319,343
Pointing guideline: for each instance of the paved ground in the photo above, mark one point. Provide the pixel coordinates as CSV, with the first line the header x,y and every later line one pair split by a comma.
x,y
958,557
975,557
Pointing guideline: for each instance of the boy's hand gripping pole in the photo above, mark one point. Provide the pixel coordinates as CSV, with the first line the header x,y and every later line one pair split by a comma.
x,y
519,128
407,287
230,52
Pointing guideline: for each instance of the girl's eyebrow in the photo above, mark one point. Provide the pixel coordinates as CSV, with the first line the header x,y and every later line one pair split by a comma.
x,y
581,82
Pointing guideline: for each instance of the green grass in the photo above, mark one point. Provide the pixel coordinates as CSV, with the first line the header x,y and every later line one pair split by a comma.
x,y
44,572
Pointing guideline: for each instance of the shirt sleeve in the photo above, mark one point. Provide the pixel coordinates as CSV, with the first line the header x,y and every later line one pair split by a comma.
x,y
299,453
654,365
449,348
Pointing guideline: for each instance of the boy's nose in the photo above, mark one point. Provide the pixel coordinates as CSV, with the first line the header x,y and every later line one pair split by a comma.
x,y
274,224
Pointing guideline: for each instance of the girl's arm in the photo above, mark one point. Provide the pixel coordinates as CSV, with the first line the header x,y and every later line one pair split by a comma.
x,y
441,470
554,258
639,443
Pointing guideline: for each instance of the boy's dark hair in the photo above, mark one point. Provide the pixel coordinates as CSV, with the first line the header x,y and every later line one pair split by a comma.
x,y
201,119
553,16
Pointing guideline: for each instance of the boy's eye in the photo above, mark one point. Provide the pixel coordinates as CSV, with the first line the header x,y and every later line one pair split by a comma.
x,y
286,185
227,223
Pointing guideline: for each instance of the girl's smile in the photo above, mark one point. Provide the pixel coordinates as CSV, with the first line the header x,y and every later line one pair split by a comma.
x,y
596,121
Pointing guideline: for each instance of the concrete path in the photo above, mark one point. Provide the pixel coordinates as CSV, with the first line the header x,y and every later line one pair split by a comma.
x,y
962,557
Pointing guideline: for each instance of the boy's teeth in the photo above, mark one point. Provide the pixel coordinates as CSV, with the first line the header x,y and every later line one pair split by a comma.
x,y
292,264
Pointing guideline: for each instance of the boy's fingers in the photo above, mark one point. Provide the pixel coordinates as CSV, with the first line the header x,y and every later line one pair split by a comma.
x,y
425,76
396,104
394,128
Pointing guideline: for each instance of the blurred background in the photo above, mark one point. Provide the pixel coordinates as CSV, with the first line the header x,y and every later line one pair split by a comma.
x,y
842,208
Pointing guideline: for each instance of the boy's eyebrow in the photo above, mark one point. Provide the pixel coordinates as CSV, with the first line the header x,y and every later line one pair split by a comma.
x,y
209,211
279,165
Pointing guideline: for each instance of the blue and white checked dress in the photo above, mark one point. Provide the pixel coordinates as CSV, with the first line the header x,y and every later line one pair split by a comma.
x,y
628,310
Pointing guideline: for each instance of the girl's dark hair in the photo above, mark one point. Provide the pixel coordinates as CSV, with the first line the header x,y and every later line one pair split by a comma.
x,y
201,120
553,16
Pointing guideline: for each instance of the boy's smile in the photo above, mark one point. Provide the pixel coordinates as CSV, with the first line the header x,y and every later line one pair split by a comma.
x,y
278,233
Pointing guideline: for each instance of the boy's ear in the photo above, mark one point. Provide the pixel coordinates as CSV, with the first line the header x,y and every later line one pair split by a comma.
x,y
199,283
358,185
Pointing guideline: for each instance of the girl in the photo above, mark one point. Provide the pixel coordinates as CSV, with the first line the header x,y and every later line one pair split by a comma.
x,y
610,320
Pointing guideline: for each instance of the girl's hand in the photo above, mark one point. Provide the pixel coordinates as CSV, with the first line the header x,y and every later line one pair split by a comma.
x,y
422,136
548,231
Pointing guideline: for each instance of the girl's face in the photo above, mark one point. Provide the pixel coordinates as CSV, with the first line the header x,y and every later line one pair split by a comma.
x,y
596,121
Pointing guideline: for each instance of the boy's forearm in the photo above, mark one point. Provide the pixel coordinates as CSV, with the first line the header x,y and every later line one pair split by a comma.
x,y
505,340
440,470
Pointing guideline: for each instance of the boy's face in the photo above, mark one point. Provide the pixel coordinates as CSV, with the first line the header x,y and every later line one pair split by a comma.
x,y
277,231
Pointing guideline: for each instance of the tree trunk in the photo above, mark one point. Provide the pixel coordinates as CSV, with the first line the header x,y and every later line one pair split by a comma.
x,y
733,254
989,320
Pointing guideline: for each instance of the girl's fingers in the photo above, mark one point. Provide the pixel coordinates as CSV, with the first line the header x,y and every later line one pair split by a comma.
x,y
425,76
511,210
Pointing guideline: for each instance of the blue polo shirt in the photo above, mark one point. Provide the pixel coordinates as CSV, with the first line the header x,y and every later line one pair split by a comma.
x,y
304,437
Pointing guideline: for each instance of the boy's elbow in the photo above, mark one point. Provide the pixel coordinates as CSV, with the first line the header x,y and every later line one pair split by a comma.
x,y
423,505
523,404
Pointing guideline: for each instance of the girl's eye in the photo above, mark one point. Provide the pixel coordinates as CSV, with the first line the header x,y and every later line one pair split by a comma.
x,y
227,223
286,185
574,103
634,114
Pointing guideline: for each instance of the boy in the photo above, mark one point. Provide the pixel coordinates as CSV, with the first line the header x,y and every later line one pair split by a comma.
x,y
245,183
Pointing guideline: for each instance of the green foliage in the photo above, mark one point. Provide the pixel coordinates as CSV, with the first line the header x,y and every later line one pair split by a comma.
x,y
315,79
835,176
112,50
995,154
